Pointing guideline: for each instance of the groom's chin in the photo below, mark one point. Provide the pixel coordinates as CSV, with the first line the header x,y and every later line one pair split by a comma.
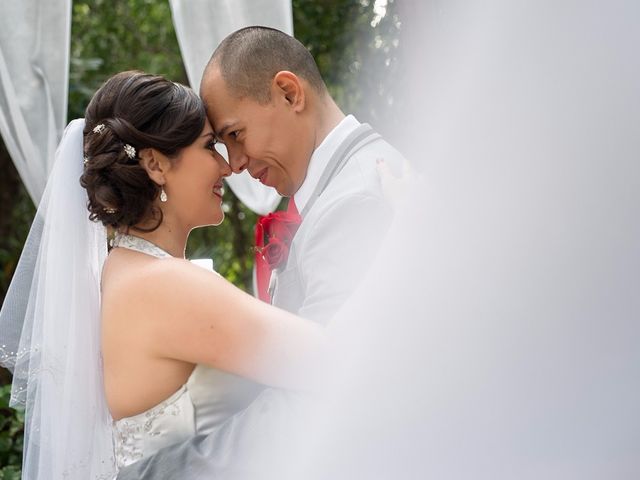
x,y
286,188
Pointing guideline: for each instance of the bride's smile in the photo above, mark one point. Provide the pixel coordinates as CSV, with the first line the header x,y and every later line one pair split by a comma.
x,y
192,180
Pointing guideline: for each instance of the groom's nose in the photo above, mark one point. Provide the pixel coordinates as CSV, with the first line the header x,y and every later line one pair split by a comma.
x,y
238,160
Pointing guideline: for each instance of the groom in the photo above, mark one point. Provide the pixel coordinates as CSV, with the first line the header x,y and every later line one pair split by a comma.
x,y
269,105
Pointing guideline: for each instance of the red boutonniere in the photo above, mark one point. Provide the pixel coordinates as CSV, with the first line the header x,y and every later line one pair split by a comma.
x,y
277,231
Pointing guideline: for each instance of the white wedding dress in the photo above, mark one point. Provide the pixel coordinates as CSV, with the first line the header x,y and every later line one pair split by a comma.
x,y
207,399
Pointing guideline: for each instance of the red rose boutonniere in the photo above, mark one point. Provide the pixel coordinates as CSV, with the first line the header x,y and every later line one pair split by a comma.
x,y
276,231
274,234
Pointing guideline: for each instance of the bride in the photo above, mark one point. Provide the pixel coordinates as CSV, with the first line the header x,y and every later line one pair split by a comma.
x,y
116,355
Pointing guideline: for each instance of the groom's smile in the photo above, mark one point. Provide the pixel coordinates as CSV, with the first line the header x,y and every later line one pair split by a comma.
x,y
261,176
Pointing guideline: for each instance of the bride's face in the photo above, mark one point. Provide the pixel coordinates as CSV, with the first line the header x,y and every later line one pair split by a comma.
x,y
194,185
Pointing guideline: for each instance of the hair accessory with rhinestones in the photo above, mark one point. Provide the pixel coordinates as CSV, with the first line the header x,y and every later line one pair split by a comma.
x,y
98,128
129,150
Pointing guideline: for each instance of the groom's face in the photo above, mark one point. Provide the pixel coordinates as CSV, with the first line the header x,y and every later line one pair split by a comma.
x,y
269,140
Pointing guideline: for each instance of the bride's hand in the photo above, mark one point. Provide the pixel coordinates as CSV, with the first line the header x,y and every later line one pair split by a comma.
x,y
394,187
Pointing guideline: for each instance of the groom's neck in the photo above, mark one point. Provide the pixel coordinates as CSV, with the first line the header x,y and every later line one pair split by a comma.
x,y
328,117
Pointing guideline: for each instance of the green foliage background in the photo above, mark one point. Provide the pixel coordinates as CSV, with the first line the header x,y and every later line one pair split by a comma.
x,y
351,42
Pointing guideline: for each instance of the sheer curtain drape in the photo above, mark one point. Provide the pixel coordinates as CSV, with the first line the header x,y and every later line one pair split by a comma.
x,y
200,26
34,75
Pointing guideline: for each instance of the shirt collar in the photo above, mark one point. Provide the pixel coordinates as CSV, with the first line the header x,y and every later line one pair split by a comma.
x,y
320,158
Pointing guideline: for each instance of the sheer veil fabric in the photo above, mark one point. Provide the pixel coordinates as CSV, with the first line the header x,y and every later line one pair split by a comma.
x,y
50,330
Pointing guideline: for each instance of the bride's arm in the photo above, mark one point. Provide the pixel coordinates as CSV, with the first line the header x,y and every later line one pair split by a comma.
x,y
198,317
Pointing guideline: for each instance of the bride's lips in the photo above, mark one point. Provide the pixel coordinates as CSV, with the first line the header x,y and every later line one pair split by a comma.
x,y
218,190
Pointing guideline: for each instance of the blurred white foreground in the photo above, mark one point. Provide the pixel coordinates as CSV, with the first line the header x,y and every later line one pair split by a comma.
x,y
498,334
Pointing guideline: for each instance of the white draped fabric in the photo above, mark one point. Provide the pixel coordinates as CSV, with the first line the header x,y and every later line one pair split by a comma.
x,y
200,26
34,70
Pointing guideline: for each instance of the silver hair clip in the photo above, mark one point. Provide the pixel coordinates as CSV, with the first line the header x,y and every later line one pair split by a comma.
x,y
110,210
85,160
98,128
130,151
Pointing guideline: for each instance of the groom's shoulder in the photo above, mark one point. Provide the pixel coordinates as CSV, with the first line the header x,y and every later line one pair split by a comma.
x,y
356,192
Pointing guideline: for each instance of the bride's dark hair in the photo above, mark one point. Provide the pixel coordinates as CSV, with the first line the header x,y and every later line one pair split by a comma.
x,y
143,111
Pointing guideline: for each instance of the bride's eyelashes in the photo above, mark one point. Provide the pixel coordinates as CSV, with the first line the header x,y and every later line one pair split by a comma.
x,y
211,144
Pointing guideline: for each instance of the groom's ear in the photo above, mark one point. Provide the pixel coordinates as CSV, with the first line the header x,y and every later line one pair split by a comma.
x,y
155,164
290,89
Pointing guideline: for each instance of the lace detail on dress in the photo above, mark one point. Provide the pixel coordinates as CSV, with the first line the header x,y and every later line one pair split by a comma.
x,y
139,245
132,434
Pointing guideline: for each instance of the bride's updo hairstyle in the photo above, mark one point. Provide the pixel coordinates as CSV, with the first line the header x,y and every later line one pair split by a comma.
x,y
132,111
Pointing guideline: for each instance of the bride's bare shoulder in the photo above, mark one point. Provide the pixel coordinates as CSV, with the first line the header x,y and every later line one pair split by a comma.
x,y
139,277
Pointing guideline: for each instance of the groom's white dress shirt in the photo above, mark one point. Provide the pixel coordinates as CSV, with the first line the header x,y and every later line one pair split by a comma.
x,y
340,232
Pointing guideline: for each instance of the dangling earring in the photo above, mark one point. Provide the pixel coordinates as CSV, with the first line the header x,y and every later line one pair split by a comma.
x,y
163,195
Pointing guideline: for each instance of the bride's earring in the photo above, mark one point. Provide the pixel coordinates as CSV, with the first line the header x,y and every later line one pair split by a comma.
x,y
163,195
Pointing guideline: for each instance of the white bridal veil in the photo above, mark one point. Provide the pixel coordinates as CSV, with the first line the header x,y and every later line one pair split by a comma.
x,y
50,330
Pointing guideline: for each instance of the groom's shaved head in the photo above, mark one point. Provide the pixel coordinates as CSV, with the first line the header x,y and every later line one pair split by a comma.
x,y
248,60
